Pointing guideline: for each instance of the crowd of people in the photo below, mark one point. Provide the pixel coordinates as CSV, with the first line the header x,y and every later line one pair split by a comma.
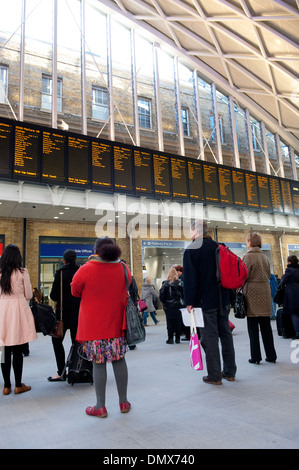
x,y
100,326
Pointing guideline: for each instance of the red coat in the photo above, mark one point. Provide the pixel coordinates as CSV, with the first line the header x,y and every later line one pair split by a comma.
x,y
102,288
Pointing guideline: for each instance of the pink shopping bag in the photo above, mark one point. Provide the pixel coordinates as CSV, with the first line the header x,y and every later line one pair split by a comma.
x,y
195,351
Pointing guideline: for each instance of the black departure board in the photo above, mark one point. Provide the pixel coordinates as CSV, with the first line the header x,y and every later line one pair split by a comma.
x,y
225,185
78,161
275,194
179,178
101,168
195,176
123,180
26,153
295,196
53,161
286,197
239,189
6,135
44,155
143,172
264,192
161,175
210,174
252,190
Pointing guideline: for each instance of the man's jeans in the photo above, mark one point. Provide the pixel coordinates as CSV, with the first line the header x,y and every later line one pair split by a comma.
x,y
216,327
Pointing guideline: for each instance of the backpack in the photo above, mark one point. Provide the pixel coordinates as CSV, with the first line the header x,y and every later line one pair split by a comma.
x,y
231,270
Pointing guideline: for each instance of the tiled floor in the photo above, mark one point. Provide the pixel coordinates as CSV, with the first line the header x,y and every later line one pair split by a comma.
x,y
171,406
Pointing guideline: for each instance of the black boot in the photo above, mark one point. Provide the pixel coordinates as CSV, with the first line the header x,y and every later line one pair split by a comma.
x,y
170,340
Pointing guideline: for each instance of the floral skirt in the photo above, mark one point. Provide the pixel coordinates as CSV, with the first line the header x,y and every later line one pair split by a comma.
x,y
105,350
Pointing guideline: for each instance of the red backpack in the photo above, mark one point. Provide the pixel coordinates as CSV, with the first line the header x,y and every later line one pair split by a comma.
x,y
231,270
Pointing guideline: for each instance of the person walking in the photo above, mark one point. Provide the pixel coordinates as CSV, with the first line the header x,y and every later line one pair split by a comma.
x,y
171,295
201,289
101,285
290,280
257,293
149,294
70,309
17,325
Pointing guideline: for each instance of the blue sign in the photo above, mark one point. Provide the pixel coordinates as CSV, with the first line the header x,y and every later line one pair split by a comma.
x,y
56,250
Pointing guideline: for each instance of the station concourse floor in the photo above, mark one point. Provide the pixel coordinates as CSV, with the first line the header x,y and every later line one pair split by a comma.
x,y
172,408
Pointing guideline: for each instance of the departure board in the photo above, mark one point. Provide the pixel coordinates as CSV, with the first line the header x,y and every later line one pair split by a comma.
x,y
211,183
264,192
123,180
252,190
26,154
6,134
225,184
78,161
143,172
161,174
286,197
179,177
275,193
53,152
195,176
239,189
295,196
101,167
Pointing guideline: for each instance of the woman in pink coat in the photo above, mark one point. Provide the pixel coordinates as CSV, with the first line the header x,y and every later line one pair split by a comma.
x,y
16,320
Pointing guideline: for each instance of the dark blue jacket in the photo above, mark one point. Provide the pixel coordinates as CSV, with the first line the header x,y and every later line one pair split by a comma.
x,y
291,293
201,287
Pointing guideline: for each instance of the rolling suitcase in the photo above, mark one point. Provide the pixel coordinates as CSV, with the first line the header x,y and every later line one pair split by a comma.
x,y
79,368
284,324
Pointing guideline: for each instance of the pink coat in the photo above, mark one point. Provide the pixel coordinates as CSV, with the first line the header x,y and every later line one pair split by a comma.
x,y
16,319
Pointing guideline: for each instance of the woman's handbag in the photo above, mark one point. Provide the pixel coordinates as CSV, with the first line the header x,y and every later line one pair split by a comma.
x,y
135,332
44,318
58,330
141,305
279,295
240,307
195,351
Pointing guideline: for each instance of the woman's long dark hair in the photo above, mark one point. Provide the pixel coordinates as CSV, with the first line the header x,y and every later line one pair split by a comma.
x,y
10,261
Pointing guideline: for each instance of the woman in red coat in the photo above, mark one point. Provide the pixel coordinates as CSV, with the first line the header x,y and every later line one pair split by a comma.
x,y
101,285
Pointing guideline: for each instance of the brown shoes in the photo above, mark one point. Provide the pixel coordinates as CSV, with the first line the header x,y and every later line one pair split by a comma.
x,y
228,377
22,389
207,380
6,390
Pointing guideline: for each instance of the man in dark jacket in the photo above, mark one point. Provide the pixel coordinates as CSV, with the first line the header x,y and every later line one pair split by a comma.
x,y
201,289
70,311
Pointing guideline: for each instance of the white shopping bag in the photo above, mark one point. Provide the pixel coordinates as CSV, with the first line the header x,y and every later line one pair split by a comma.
x,y
198,317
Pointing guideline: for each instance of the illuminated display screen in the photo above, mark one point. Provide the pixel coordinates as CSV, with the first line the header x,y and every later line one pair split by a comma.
x,y
275,194
42,155
101,165
53,151
143,172
286,197
211,183
239,189
123,168
195,175
179,178
161,175
5,146
78,161
225,184
252,190
264,192
26,154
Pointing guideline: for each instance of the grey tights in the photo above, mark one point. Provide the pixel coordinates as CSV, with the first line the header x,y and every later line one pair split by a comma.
x,y
100,379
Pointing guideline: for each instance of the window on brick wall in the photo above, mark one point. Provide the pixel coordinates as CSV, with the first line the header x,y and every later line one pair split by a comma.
x,y
100,103
3,83
213,129
144,113
185,121
47,92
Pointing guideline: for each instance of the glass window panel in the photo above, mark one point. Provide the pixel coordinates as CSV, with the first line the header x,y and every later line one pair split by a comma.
x,y
100,104
144,113
3,83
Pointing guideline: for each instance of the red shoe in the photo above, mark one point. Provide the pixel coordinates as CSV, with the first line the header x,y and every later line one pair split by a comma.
x,y
100,413
125,407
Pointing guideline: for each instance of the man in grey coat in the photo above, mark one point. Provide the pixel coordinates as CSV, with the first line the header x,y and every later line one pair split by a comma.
x,y
148,295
